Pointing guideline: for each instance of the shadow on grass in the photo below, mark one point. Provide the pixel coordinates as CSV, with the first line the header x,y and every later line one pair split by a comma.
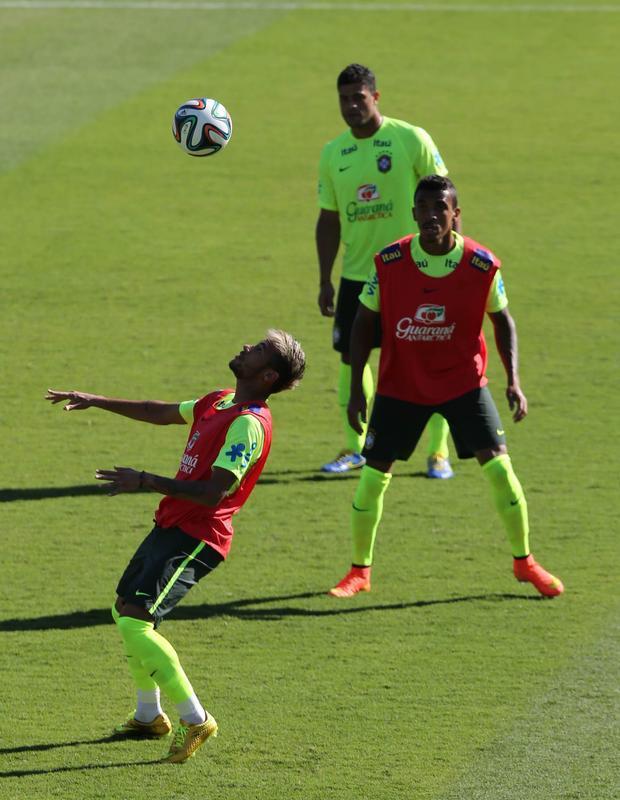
x,y
251,609
21,773
268,479
41,748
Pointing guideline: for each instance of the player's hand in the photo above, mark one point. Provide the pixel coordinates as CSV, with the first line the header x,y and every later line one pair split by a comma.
x,y
78,401
517,402
121,479
326,299
356,410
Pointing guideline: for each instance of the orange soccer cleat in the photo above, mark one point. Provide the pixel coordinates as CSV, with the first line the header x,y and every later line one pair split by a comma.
x,y
356,580
527,570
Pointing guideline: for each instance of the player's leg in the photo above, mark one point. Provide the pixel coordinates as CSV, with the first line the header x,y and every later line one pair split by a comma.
x,y
438,461
172,563
394,431
149,719
477,429
349,457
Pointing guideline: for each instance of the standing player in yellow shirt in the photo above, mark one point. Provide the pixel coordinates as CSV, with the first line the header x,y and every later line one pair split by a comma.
x,y
367,177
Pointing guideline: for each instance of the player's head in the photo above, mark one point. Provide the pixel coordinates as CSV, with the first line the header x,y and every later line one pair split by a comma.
x,y
358,74
272,365
435,207
437,183
358,96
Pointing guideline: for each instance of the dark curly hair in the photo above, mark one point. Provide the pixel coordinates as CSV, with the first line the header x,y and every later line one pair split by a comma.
x,y
437,183
356,73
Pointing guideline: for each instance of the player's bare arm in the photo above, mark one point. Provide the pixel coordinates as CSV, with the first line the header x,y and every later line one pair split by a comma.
x,y
505,331
154,411
206,493
327,244
362,338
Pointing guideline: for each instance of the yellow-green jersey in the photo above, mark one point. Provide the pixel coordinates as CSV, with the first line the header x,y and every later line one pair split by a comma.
x,y
370,183
437,267
244,439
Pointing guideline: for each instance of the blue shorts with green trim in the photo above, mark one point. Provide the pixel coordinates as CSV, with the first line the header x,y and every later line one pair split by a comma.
x,y
163,570
396,426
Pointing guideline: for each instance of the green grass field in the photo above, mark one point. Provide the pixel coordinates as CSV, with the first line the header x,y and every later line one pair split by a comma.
x,y
130,269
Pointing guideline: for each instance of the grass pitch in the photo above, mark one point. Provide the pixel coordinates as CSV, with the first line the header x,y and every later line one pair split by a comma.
x,y
131,269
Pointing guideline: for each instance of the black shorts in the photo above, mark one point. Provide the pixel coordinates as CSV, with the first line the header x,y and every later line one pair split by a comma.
x,y
163,570
395,426
346,309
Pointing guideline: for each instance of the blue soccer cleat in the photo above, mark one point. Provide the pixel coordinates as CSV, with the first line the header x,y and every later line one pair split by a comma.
x,y
438,467
345,462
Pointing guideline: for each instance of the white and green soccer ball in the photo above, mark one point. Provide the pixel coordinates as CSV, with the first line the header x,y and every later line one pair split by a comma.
x,y
202,127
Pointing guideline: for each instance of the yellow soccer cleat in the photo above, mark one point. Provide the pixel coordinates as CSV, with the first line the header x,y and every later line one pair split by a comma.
x,y
134,729
188,738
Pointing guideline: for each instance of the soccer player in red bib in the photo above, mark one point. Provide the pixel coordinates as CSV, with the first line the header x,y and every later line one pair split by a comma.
x,y
226,450
431,292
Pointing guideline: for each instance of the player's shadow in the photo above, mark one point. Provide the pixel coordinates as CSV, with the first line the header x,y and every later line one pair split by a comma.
x,y
41,748
259,609
22,773
267,479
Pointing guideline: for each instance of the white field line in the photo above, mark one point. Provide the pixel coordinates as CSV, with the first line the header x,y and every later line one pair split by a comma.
x,y
286,5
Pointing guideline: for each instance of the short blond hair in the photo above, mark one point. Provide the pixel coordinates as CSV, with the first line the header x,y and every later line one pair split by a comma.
x,y
289,360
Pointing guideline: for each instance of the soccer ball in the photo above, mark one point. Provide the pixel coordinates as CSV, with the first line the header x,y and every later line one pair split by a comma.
x,y
202,127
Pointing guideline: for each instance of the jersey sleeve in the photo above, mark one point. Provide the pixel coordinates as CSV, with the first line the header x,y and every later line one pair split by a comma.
x,y
243,445
497,299
369,296
327,195
186,410
428,160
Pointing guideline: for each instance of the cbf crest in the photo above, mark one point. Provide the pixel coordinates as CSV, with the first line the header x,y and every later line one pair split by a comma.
x,y
384,162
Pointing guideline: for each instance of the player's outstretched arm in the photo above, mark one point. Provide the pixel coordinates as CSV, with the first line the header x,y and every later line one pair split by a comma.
x,y
506,341
206,493
327,244
153,411
362,338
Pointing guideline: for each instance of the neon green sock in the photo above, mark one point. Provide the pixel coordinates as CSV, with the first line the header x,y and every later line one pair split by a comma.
x,y
510,502
156,656
141,677
366,513
438,431
354,441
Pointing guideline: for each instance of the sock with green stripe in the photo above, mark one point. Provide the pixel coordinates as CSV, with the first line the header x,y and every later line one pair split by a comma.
x,y
366,513
141,677
510,502
354,441
438,431
160,661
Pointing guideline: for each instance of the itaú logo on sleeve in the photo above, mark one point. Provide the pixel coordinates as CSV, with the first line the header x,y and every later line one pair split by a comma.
x,y
428,325
367,192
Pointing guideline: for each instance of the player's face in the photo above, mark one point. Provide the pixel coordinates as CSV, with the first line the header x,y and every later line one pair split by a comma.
x,y
435,214
252,360
358,105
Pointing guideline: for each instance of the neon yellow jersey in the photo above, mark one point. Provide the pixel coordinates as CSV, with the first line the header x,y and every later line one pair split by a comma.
x,y
244,439
437,267
370,182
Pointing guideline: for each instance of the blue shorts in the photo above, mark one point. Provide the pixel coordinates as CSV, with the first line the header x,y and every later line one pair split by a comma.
x,y
396,426
163,570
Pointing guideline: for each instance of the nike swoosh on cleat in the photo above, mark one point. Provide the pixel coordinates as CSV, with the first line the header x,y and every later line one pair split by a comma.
x,y
358,509
142,594
342,169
